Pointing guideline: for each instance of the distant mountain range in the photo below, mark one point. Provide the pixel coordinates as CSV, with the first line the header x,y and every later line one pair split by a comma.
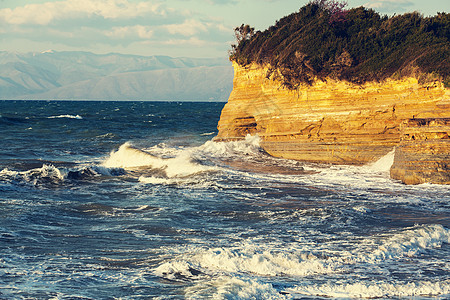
x,y
54,75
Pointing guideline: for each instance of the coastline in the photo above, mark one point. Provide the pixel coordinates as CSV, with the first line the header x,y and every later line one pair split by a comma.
x,y
335,122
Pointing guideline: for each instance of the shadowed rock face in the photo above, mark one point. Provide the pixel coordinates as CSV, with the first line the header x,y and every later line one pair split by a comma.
x,y
423,154
329,122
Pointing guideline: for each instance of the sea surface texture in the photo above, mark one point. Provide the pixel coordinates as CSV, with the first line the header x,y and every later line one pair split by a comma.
x,y
133,200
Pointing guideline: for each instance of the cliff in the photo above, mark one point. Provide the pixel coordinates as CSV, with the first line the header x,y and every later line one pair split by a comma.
x,y
338,122
333,85
423,154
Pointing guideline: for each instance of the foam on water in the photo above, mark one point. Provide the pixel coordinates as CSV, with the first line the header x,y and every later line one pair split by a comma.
x,y
247,157
181,217
181,165
225,287
78,117
273,261
246,259
49,174
409,243
249,146
45,174
384,164
208,133
370,290
128,156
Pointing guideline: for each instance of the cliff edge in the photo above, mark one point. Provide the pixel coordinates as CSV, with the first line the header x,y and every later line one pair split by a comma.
x,y
339,122
338,86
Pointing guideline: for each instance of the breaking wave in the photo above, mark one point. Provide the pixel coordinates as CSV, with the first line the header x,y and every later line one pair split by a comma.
x,y
49,174
175,215
250,146
225,287
384,164
78,117
408,243
377,289
182,165
273,261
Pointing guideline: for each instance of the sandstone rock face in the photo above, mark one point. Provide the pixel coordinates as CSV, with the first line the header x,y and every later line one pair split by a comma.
x,y
423,154
328,122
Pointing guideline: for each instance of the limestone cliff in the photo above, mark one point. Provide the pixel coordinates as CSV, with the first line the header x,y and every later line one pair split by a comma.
x,y
423,154
328,122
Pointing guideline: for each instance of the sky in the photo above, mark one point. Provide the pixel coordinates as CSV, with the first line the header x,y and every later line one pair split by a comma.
x,y
177,28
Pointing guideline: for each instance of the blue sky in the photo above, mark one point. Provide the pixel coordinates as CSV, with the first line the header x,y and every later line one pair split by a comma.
x,y
178,28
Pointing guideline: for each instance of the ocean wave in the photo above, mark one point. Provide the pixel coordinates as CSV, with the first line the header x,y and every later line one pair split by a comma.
x,y
78,117
247,147
208,133
370,290
93,171
246,258
49,174
111,211
182,165
234,288
166,164
408,243
199,264
9,120
156,180
384,164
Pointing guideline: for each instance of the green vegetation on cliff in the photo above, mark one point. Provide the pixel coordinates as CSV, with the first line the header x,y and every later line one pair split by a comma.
x,y
323,40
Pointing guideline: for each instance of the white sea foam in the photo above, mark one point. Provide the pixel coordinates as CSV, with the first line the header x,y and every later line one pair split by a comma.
x,y
78,117
250,145
409,243
246,259
177,162
179,166
234,288
375,289
383,164
207,133
265,263
176,270
268,260
45,174
128,156
155,180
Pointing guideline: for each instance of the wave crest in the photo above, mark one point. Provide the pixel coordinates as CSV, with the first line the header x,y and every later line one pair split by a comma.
x,y
182,165
47,174
78,117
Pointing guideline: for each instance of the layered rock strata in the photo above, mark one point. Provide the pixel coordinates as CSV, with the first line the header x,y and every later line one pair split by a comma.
x,y
327,122
423,154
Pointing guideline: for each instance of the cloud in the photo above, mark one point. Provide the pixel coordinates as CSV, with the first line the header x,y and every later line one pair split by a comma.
x,y
390,6
137,26
140,31
45,13
193,41
223,2
187,28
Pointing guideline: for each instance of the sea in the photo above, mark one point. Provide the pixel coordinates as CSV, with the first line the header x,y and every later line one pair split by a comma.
x,y
134,200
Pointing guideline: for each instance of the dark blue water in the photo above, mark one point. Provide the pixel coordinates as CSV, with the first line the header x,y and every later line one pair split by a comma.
x,y
132,200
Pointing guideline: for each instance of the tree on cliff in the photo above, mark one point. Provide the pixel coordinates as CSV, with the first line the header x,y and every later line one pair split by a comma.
x,y
242,34
324,40
335,8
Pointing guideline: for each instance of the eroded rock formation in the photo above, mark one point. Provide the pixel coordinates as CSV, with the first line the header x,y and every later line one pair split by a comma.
x,y
328,122
423,154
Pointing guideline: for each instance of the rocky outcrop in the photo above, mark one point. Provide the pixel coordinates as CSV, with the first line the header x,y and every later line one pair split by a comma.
x,y
328,122
423,154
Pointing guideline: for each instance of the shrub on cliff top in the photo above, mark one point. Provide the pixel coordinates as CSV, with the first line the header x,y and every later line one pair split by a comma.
x,y
356,45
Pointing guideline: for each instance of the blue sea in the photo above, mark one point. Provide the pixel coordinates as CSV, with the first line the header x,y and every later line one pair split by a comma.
x,y
134,200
